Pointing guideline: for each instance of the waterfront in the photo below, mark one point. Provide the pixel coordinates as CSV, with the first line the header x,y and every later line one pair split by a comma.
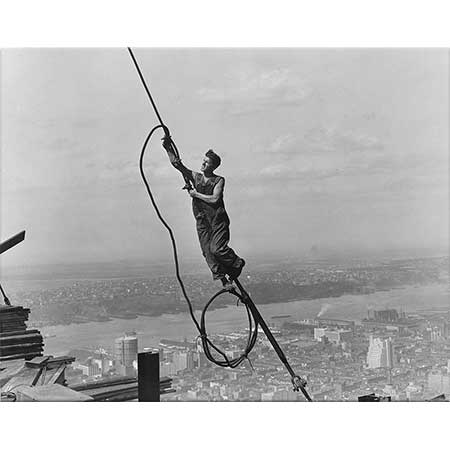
x,y
151,330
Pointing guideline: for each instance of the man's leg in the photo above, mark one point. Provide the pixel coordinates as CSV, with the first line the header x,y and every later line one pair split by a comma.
x,y
225,255
204,236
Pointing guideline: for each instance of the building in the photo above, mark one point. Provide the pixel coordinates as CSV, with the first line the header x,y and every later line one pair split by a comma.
x,y
283,395
335,323
125,354
104,364
335,336
202,360
180,361
386,315
190,361
439,382
390,391
90,368
300,327
413,392
380,353
233,354
167,369
177,344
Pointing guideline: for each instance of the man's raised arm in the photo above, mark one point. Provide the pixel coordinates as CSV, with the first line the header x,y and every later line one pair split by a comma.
x,y
174,160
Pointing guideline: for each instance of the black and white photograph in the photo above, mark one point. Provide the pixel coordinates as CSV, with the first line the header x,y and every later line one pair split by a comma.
x,y
224,225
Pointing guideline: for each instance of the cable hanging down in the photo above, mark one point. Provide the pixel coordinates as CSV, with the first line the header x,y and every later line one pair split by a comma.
x,y
254,317
201,327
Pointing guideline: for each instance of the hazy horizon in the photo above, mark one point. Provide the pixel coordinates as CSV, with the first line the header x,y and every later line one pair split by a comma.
x,y
343,150
135,268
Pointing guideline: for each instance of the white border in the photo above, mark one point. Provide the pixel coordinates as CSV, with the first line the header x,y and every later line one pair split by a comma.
x,y
230,23
322,23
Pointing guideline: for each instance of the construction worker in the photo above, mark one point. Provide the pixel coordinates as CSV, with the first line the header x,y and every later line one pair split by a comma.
x,y
209,212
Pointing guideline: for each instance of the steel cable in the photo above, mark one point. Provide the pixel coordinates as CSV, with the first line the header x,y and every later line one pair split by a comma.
x,y
208,345
254,317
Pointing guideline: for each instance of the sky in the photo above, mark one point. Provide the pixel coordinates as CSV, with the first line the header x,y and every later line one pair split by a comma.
x,y
345,150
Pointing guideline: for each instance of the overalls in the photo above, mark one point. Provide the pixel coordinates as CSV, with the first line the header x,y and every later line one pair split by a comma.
x,y
213,228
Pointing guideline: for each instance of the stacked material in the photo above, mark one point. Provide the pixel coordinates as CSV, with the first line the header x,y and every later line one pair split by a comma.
x,y
118,388
15,340
13,318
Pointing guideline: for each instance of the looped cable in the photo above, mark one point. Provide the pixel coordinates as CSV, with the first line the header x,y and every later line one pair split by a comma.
x,y
208,346
210,349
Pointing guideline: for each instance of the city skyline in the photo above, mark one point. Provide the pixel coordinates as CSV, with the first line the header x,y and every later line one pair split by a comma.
x,y
340,369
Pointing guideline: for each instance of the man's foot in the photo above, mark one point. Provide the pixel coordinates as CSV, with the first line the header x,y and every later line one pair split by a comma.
x,y
236,270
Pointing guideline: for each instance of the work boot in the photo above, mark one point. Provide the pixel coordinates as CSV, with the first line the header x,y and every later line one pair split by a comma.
x,y
236,270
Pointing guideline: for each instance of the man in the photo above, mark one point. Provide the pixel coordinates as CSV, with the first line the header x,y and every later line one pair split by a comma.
x,y
209,212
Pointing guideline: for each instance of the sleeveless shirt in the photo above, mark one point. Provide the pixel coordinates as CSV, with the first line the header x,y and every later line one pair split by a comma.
x,y
202,209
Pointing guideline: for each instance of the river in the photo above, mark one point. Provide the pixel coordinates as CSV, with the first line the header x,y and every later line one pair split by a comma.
x,y
151,330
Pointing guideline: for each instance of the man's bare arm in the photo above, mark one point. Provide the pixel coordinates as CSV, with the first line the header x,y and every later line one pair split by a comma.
x,y
216,195
176,162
